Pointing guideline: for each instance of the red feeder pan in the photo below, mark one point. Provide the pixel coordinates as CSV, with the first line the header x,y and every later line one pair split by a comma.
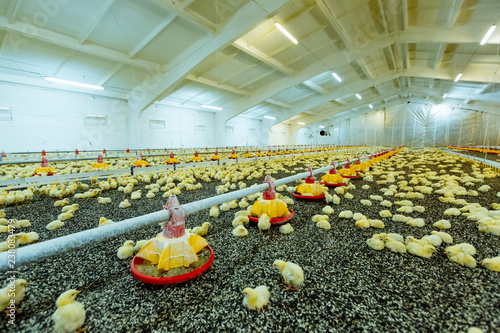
x,y
171,279
276,220
332,185
308,197
351,177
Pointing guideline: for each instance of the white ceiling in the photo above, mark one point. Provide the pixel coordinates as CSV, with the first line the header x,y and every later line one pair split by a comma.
x,y
228,53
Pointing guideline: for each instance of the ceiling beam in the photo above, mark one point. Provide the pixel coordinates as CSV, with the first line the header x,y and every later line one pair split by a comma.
x,y
26,30
255,79
261,56
485,88
240,71
342,92
217,85
365,69
96,19
334,23
176,8
13,9
69,54
279,103
110,74
315,87
152,35
439,56
454,13
161,83
472,76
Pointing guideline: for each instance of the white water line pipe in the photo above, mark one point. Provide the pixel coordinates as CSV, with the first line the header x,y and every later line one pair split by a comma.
x,y
66,243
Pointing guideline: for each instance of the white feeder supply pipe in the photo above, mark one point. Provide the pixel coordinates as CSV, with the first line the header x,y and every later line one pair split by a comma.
x,y
66,243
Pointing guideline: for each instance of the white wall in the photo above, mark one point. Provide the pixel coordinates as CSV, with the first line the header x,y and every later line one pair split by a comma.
x,y
53,120
414,124
278,134
242,131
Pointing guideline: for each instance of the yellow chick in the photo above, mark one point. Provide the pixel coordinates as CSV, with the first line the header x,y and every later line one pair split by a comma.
x,y
395,246
56,224
416,223
452,212
214,211
442,224
65,216
104,221
375,243
286,228
405,209
292,273
136,195
462,247
257,298
4,221
2,213
385,213
327,210
60,203
348,196
15,291
376,197
242,213
103,201
264,223
126,250
346,214
4,246
22,224
240,220
463,259
203,230
73,207
433,240
243,203
240,231
70,315
28,238
359,216
386,203
421,251
493,264
140,244
419,209
324,224
124,204
366,202
317,218
362,223
377,224
445,237
339,190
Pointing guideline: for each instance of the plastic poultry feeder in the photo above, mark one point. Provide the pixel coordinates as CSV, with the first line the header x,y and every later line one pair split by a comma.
x,y
348,172
247,154
196,157
333,179
171,249
309,187
100,163
172,159
269,203
233,155
45,168
140,162
259,154
216,156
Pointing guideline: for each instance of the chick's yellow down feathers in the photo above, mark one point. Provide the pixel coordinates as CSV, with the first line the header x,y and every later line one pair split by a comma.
x,y
257,298
292,273
70,315
15,292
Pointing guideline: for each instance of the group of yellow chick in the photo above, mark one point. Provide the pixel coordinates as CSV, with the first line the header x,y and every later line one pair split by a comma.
x,y
257,298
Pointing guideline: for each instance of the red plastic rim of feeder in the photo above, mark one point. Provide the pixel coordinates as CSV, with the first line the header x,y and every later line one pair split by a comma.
x,y
276,220
331,184
171,279
350,177
308,197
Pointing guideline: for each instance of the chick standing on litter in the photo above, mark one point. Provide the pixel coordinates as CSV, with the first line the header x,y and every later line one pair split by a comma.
x,y
126,250
17,294
264,222
203,230
257,298
292,273
70,315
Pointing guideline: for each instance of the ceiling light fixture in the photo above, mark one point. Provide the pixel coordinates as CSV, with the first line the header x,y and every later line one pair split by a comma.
x,y
5,108
286,33
211,107
73,83
336,77
321,126
269,117
371,106
301,123
458,77
488,34
445,95
358,96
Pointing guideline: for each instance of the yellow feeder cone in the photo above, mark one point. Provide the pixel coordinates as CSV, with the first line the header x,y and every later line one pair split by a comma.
x,y
333,177
269,204
174,247
310,186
